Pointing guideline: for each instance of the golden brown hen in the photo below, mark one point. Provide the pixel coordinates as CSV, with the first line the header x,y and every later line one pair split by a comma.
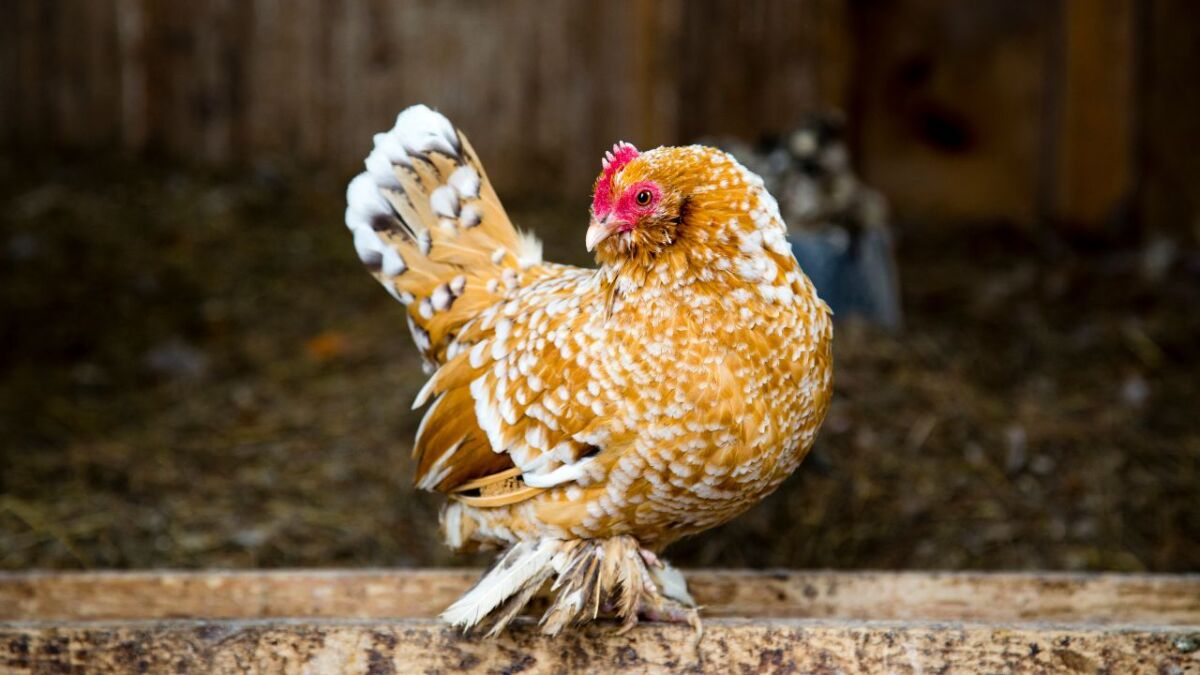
x,y
584,419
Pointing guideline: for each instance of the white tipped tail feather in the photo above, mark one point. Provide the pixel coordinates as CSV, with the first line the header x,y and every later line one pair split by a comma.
x,y
427,223
591,577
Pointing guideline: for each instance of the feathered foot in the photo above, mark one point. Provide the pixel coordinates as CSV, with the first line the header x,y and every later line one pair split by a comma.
x,y
668,601
593,577
654,606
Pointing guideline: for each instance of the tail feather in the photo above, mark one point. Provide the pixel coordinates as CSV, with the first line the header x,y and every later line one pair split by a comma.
x,y
428,224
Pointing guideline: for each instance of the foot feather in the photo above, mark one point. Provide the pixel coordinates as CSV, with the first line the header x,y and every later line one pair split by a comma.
x,y
520,566
591,577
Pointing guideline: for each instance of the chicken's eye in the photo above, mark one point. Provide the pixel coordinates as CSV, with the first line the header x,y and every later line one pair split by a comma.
x,y
643,197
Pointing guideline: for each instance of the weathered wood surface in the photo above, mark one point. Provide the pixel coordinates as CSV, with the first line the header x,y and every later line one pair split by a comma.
x,y
728,646
370,594
381,621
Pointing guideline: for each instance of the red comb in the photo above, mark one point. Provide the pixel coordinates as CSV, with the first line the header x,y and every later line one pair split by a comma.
x,y
614,160
621,154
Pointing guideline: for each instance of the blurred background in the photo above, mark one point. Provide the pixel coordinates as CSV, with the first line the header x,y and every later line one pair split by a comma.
x,y
195,370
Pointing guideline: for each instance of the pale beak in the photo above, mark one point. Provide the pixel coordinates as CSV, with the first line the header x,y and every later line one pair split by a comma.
x,y
598,231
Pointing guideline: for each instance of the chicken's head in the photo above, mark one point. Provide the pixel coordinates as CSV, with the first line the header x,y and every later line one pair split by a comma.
x,y
633,210
671,200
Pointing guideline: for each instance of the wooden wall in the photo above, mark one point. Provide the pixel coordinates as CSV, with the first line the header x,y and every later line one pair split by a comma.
x,y
1070,112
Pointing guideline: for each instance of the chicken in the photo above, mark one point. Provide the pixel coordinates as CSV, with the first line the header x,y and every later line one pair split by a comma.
x,y
837,224
583,419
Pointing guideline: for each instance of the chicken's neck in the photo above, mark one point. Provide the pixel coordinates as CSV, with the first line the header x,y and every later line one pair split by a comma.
x,y
695,280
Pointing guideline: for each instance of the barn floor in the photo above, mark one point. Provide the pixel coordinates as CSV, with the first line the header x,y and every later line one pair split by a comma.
x,y
194,371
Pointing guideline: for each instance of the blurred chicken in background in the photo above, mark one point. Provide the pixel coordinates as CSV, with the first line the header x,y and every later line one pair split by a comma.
x,y
838,226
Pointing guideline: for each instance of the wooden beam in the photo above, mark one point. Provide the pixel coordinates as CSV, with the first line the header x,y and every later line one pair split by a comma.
x,y
382,621
728,645
370,594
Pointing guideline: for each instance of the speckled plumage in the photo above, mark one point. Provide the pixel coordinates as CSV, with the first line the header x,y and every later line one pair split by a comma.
x,y
656,397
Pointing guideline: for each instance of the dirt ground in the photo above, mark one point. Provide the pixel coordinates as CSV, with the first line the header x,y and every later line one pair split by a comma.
x,y
195,371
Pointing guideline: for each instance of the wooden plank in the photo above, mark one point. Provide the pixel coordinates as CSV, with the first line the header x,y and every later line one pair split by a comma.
x,y
1169,101
833,47
35,25
166,50
95,71
9,74
1095,129
218,80
65,86
132,104
728,645
375,594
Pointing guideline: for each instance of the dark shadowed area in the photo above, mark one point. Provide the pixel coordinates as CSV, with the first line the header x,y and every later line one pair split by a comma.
x,y
197,372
